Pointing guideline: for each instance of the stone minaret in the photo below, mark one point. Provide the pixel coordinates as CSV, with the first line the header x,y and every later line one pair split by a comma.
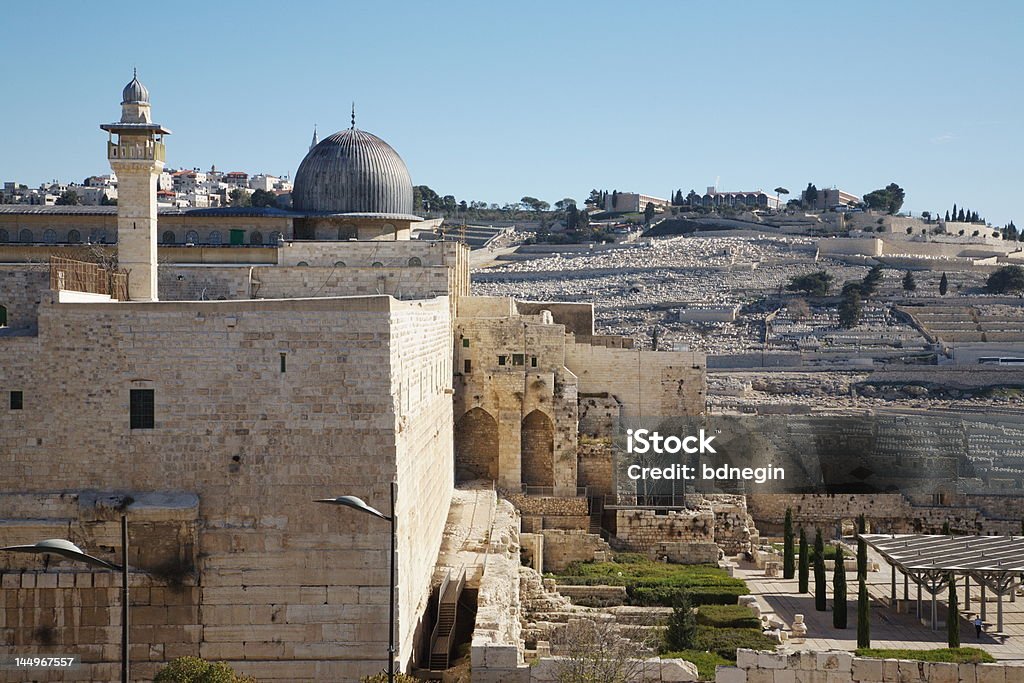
x,y
137,157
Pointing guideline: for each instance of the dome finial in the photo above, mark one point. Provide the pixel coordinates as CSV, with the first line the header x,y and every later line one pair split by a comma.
x,y
316,140
353,115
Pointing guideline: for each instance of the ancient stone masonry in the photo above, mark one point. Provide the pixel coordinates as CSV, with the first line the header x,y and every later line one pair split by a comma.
x,y
594,469
21,290
563,547
692,535
844,667
259,407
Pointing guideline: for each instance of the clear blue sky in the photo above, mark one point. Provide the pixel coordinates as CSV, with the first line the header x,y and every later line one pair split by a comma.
x,y
493,101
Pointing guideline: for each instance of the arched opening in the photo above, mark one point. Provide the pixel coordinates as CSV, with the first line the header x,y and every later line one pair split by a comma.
x,y
26,236
50,236
191,237
215,237
376,264
74,237
415,262
302,263
538,448
339,264
4,237
476,446
168,237
256,237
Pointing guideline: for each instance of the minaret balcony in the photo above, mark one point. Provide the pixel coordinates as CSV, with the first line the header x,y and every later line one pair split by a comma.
x,y
133,151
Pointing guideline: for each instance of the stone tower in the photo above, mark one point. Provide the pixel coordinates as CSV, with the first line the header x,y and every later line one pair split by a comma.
x,y
137,156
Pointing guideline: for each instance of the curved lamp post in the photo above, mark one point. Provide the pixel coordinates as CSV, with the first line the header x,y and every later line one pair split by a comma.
x,y
358,504
68,550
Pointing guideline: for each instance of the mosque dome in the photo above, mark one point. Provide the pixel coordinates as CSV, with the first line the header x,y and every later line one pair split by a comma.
x,y
135,92
353,171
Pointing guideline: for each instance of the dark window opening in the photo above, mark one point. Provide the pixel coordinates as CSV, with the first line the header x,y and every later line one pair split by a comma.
x,y
284,362
518,359
465,343
141,409
17,400
533,361
502,360
468,365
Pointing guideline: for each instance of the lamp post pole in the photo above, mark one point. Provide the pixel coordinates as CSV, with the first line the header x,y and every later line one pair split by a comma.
x,y
359,504
125,598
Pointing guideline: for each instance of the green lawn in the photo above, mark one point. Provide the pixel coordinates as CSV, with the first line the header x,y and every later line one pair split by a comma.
x,y
959,655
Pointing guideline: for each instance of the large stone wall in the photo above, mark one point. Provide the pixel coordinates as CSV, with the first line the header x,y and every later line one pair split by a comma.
x,y
646,383
21,289
594,470
562,547
844,667
286,589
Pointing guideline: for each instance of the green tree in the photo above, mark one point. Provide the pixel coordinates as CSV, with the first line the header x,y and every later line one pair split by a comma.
x,y
820,603
803,569
863,615
263,198
943,285
815,284
888,199
839,590
238,197
862,558
869,285
953,616
572,218
615,199
68,198
693,199
961,217
788,551
909,285
1006,279
535,204
780,191
850,310
947,217
648,213
681,633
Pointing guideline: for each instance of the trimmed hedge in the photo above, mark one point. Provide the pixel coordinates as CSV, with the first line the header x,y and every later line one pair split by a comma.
x,y
725,641
651,583
728,616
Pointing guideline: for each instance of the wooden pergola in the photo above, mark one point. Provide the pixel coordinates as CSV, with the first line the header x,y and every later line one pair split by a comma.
x,y
996,563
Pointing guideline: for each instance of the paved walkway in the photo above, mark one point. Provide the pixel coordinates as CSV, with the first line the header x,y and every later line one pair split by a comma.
x,y
888,628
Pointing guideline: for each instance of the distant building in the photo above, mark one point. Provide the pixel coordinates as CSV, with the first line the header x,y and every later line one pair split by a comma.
x,y
754,199
633,202
236,179
830,198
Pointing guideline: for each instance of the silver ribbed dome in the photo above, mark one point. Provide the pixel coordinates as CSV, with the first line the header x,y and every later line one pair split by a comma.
x,y
135,92
353,171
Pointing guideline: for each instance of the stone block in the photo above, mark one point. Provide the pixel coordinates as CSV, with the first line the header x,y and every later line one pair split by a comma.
x,y
771,660
10,581
678,670
992,673
501,656
866,669
760,676
912,672
942,672
968,673
890,671
785,676
746,659
730,674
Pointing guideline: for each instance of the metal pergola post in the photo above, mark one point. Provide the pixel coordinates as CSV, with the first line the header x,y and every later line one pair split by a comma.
x,y
967,592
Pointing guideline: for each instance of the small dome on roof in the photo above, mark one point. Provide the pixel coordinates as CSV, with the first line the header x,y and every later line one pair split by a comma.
x,y
135,92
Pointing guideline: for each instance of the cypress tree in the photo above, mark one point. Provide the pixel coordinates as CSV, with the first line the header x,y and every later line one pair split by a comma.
x,y
943,285
947,216
953,618
863,615
954,212
839,590
961,217
819,572
862,558
805,562
787,546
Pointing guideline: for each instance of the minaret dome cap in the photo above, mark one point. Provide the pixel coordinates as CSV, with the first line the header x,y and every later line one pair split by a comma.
x,y
135,92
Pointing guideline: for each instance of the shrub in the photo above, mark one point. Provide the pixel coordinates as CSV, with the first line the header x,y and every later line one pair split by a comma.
x,y
382,677
959,655
727,616
681,633
196,670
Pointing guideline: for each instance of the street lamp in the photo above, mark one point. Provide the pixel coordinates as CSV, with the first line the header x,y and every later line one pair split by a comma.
x,y
67,549
359,504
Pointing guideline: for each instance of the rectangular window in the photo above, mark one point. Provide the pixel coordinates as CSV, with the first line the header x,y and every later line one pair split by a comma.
x,y
502,360
465,343
518,359
533,361
141,409
468,365
284,362
17,400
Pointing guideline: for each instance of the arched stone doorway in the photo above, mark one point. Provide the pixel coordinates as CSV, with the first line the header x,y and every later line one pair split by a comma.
x,y
538,447
476,446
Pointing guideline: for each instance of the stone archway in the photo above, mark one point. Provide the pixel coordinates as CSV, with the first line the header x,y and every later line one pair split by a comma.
x,y
538,448
476,446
